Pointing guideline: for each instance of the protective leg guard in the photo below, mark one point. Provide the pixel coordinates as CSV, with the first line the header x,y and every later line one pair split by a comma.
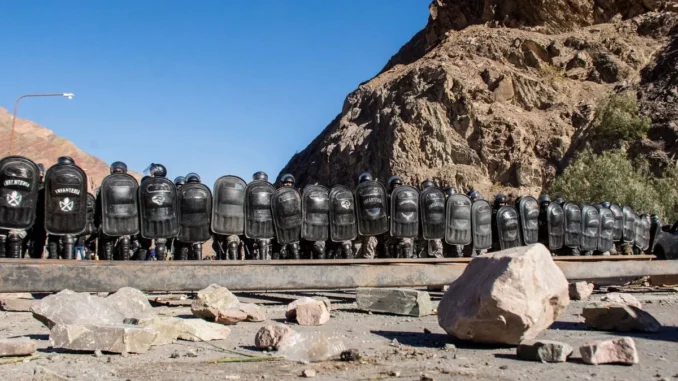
x,y
197,251
319,249
14,246
109,249
123,248
347,250
181,251
69,247
295,250
53,247
160,248
232,251
3,246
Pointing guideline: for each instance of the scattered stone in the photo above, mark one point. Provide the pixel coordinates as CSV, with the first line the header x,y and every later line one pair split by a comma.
x,y
621,351
211,300
175,355
191,353
271,335
309,373
110,338
254,312
230,316
97,353
200,330
618,317
69,307
505,297
168,328
396,301
350,355
394,343
17,347
544,351
503,367
450,347
622,298
16,305
131,321
291,313
580,290
394,373
311,314
42,374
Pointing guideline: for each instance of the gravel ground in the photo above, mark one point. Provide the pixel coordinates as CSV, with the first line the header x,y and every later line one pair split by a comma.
x,y
419,350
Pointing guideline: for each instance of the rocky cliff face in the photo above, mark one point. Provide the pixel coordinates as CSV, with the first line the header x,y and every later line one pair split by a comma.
x,y
495,94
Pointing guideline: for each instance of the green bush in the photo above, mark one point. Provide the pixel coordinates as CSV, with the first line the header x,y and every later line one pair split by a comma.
x,y
618,117
612,176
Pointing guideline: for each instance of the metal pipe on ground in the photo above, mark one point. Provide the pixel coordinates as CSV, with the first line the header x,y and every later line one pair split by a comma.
x,y
88,276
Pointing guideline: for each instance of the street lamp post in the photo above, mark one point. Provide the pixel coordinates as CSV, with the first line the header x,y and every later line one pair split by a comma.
x,y
16,105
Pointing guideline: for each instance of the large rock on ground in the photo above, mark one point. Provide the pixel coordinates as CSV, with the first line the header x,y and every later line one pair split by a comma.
x,y
230,316
618,317
505,297
544,351
580,290
200,330
107,338
69,307
617,351
170,329
308,311
17,347
394,301
211,300
271,335
621,298
254,312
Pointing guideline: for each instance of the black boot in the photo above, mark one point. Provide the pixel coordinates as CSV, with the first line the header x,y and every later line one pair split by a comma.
x,y
123,248
232,253
197,251
14,246
69,247
181,250
109,250
160,249
319,249
347,250
53,247
295,250
3,246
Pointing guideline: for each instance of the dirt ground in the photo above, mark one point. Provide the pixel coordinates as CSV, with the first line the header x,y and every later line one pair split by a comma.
x,y
417,351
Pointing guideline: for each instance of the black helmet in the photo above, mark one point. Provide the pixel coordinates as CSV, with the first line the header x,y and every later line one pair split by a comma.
x,y
179,180
287,178
475,195
605,204
145,178
560,201
193,178
156,170
427,184
500,198
118,165
449,191
365,177
261,175
393,181
65,160
544,198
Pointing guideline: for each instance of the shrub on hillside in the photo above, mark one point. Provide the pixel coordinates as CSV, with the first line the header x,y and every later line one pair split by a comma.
x,y
618,117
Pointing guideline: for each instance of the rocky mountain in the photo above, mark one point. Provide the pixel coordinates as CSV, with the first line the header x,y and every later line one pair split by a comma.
x,y
499,94
42,146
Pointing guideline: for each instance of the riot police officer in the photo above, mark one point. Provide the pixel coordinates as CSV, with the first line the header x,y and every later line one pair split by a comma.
x,y
544,201
262,247
453,234
158,208
432,201
173,245
195,206
291,223
499,202
118,215
19,186
404,216
480,247
370,196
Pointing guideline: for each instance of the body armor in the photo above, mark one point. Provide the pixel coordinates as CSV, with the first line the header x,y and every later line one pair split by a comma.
x,y
458,218
228,210
286,206
19,186
119,205
158,209
432,208
372,208
343,222
315,212
404,212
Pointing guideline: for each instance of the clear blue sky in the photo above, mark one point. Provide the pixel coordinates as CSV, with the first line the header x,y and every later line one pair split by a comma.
x,y
213,87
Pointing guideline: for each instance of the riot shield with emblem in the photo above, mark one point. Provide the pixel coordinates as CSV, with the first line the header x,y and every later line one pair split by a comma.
x,y
573,224
158,208
528,210
432,209
19,185
645,226
343,223
372,208
286,206
315,213
481,221
555,220
404,212
91,202
508,227
629,231
228,209
119,205
458,220
258,214
618,222
606,233
195,212
65,200
590,228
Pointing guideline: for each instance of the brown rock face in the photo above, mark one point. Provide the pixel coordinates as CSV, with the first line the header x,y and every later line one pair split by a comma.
x,y
487,96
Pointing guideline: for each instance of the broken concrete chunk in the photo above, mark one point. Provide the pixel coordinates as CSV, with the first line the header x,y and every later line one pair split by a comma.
x,y
270,335
17,347
395,301
618,317
580,290
544,351
617,351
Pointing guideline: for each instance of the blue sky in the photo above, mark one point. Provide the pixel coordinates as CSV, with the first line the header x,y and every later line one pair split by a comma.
x,y
213,87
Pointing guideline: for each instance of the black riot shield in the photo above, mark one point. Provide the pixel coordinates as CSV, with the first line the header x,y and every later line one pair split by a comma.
x,y
228,209
195,212
590,228
343,222
606,233
65,200
372,208
629,231
158,208
528,210
555,219
432,209
645,226
638,231
119,205
286,206
508,227
481,221
404,212
258,214
91,202
19,184
458,220
573,224
618,222
655,231
315,213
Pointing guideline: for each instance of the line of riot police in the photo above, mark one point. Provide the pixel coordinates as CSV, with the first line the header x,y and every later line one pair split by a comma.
x,y
257,221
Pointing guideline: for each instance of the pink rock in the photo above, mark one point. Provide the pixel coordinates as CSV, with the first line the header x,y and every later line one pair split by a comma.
x,y
617,351
271,335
